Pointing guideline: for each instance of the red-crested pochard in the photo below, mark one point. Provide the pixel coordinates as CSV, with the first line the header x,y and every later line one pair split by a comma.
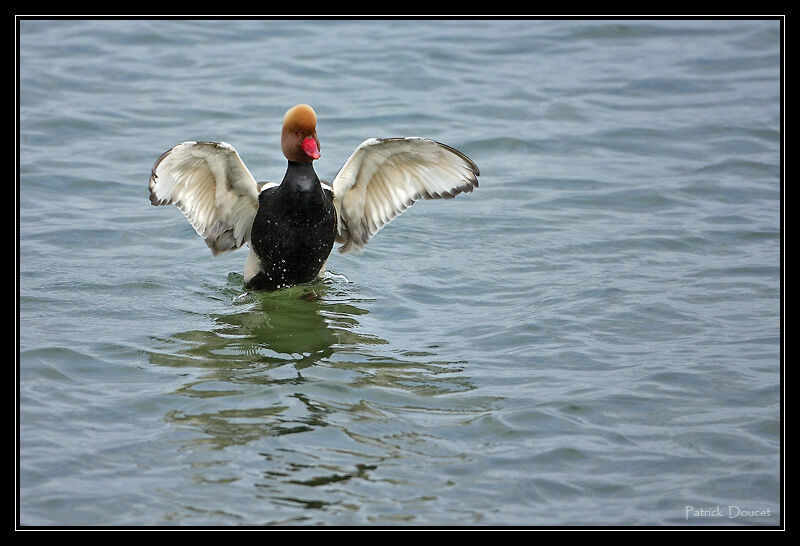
x,y
291,227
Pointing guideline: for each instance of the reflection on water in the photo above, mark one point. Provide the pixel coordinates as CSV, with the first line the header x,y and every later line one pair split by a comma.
x,y
300,325
296,362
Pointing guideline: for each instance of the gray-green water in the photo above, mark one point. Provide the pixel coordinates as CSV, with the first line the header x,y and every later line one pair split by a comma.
x,y
591,337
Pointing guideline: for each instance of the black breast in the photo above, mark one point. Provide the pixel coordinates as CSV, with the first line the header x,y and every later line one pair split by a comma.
x,y
293,231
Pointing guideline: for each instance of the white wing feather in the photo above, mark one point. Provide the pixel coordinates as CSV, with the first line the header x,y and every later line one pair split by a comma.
x,y
211,185
383,177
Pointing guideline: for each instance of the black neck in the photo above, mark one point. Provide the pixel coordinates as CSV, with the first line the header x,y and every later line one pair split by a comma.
x,y
300,176
301,169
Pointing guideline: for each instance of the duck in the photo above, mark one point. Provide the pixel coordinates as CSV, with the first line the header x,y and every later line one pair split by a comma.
x,y
290,227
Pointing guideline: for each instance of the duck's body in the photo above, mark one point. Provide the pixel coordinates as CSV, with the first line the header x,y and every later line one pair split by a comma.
x,y
291,227
293,231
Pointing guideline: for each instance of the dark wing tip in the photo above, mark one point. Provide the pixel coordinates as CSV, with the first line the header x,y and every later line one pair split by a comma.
x,y
471,164
151,185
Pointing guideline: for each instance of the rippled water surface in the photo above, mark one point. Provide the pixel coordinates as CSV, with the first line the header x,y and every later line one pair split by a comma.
x,y
591,337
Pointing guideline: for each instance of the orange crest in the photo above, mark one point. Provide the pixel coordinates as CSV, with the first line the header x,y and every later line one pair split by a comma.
x,y
300,118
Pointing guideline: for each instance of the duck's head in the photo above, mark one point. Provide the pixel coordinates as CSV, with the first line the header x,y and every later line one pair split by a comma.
x,y
299,140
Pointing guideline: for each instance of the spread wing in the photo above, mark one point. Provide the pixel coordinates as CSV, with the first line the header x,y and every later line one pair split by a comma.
x,y
211,185
385,176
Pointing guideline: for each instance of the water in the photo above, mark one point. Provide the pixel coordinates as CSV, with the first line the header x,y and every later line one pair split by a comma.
x,y
591,337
